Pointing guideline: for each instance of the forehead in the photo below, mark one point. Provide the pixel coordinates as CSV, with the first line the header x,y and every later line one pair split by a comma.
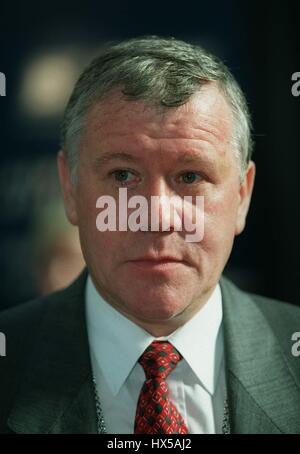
x,y
206,117
199,129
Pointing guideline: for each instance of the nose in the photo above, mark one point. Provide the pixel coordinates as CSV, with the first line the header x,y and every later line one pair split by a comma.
x,y
164,207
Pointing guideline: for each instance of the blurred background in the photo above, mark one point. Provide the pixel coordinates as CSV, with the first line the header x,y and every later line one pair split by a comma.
x,y
43,48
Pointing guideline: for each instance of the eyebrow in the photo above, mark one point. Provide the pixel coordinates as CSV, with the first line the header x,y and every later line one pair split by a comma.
x,y
108,157
193,158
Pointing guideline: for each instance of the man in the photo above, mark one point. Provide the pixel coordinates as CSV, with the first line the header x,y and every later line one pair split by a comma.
x,y
150,338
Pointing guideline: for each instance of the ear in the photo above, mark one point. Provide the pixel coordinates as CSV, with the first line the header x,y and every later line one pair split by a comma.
x,y
245,194
68,188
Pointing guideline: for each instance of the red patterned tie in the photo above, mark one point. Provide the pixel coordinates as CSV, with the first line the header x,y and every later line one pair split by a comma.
x,y
155,413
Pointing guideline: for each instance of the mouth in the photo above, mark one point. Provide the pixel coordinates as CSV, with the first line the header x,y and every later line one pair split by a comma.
x,y
149,263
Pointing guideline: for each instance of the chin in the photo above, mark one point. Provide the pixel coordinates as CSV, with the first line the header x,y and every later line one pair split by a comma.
x,y
158,311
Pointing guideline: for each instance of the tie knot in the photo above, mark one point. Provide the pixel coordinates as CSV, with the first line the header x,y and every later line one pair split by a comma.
x,y
159,359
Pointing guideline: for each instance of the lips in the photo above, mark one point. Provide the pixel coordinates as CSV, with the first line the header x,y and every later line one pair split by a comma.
x,y
164,264
163,259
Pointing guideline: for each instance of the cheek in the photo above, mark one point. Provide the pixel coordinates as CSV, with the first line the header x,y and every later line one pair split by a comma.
x,y
220,217
102,252
97,246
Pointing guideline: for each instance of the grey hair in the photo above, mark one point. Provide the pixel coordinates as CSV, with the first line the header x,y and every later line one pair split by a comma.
x,y
161,71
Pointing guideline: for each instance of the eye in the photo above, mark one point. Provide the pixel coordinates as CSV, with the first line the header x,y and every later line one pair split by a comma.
x,y
190,177
122,175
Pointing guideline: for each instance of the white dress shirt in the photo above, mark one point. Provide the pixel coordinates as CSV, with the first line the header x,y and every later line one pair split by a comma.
x,y
197,384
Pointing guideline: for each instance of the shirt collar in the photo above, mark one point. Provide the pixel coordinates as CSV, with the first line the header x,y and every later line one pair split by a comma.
x,y
117,342
200,341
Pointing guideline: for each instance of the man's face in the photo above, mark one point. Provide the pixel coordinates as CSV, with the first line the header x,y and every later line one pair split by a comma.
x,y
150,294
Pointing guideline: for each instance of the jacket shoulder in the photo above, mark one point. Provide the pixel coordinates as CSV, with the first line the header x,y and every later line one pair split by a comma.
x,y
282,317
284,320
20,321
18,327
24,318
269,306
32,331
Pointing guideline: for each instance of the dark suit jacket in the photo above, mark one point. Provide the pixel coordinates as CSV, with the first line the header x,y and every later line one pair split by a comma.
x,y
46,379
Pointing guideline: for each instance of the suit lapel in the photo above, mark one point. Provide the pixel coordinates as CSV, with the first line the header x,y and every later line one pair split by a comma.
x,y
56,395
263,394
